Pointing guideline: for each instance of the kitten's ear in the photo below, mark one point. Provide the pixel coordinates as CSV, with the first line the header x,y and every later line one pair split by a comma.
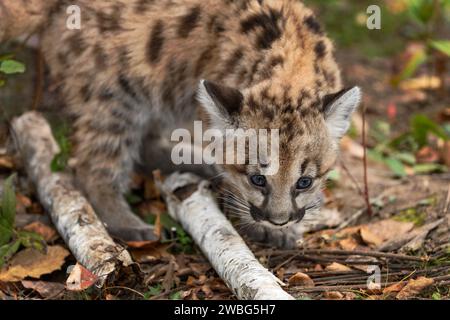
x,y
221,103
338,109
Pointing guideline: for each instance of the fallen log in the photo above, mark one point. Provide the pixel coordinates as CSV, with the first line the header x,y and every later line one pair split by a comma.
x,y
227,252
71,213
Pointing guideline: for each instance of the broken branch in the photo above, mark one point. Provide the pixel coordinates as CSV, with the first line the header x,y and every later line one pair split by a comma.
x,y
226,251
73,216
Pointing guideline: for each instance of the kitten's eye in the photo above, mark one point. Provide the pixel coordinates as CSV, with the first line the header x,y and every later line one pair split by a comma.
x,y
304,183
258,180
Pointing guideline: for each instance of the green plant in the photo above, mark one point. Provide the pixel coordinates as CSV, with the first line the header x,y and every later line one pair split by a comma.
x,y
399,152
427,16
59,162
10,239
9,66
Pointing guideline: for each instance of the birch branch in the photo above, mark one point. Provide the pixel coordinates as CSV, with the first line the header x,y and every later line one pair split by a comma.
x,y
73,216
213,233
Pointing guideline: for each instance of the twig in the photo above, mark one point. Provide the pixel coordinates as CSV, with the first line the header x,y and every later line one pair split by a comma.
x,y
366,183
126,288
376,254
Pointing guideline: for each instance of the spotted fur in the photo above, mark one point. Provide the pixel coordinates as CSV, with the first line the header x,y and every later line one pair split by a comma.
x,y
135,66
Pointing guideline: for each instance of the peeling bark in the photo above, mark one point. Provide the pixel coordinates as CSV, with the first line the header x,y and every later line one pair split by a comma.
x,y
73,216
227,252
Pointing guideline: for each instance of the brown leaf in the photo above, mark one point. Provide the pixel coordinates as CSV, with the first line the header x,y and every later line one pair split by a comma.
x,y
23,200
369,238
414,287
80,279
301,279
333,295
348,244
48,233
355,149
33,263
427,155
396,287
151,253
6,162
337,267
45,289
388,229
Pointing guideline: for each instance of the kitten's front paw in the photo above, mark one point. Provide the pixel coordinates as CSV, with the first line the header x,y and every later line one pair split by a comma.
x,y
133,233
280,238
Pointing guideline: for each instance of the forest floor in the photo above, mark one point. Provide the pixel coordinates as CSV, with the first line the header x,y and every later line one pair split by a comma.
x,y
401,251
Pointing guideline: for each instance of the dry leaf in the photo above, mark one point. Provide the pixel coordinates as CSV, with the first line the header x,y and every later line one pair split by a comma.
x,y
301,279
48,233
423,82
427,155
368,237
414,287
80,278
33,263
396,287
6,162
45,289
355,149
337,267
151,253
387,230
348,244
333,295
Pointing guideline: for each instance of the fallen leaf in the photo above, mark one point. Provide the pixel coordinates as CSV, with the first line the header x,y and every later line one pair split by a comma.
x,y
348,244
80,279
427,155
396,287
6,162
301,279
389,229
337,267
414,287
142,244
45,289
368,237
33,263
333,295
422,82
151,253
49,234
355,149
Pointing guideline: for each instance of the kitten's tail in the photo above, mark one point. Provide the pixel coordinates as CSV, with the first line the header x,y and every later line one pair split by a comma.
x,y
23,17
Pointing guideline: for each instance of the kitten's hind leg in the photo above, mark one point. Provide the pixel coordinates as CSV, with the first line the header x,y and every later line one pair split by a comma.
x,y
107,140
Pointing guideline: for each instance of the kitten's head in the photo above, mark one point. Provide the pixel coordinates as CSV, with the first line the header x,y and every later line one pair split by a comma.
x,y
285,185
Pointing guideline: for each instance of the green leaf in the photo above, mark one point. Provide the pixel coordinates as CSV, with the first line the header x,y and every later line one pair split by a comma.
x,y
7,251
8,211
442,46
422,10
2,82
12,67
405,157
175,296
413,64
31,240
153,291
436,296
334,175
421,126
396,167
426,168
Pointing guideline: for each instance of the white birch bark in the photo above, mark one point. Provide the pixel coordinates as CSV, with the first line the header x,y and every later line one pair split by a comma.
x,y
225,249
73,216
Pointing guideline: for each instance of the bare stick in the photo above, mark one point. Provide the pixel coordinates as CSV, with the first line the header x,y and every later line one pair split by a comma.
x,y
366,183
213,233
70,212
